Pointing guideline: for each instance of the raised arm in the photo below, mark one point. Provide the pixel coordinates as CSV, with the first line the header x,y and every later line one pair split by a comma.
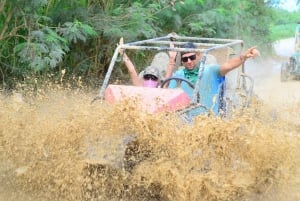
x,y
237,61
131,70
130,67
171,65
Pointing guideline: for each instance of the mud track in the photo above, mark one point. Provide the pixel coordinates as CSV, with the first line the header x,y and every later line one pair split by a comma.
x,y
29,171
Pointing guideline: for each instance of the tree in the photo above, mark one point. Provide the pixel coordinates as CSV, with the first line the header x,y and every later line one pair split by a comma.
x,y
32,41
41,37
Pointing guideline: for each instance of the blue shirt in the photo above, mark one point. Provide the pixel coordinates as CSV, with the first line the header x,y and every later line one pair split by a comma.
x,y
210,87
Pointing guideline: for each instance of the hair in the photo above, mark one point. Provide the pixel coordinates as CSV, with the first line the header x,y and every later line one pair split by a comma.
x,y
188,45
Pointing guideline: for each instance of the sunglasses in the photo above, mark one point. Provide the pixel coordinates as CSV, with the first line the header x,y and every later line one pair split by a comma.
x,y
185,59
150,77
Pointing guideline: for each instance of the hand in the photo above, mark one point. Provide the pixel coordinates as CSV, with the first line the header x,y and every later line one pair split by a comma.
x,y
171,65
251,53
172,54
122,51
121,42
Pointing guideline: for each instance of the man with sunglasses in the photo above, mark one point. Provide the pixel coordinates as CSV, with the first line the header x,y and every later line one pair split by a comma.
x,y
212,78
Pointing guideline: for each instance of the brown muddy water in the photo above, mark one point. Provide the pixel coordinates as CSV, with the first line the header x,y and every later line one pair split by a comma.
x,y
44,152
46,143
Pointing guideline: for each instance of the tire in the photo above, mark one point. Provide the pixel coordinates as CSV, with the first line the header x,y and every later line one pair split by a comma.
x,y
284,71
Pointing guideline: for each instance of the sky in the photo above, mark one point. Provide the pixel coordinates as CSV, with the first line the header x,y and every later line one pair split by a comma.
x,y
290,5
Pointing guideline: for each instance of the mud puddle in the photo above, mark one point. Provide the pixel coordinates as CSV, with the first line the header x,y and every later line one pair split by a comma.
x,y
44,152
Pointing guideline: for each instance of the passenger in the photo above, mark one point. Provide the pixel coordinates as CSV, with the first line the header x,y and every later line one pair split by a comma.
x,y
151,75
212,76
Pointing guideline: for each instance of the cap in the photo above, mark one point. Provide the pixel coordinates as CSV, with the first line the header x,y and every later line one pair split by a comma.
x,y
188,45
151,70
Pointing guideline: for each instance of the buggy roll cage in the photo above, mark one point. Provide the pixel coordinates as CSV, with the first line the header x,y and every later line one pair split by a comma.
x,y
163,44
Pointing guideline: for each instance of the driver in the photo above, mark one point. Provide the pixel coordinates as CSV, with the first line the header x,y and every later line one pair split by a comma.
x,y
212,76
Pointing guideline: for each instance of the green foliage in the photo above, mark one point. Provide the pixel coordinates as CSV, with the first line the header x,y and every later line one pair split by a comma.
x,y
284,24
131,22
282,31
45,48
73,31
285,17
42,37
62,11
254,30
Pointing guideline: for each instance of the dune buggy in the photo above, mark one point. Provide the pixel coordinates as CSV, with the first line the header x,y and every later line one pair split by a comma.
x,y
122,153
234,92
291,69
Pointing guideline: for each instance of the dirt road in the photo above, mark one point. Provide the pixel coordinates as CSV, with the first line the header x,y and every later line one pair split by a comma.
x,y
266,74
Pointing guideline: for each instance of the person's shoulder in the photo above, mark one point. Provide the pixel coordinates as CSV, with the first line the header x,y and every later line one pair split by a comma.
x,y
179,70
213,69
213,66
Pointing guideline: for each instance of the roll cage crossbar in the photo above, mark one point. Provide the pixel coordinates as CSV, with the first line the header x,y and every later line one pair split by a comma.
x,y
206,45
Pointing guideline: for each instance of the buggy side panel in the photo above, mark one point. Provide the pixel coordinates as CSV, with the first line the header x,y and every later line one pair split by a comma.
x,y
151,100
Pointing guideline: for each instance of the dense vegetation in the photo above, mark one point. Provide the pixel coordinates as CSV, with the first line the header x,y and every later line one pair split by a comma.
x,y
48,39
284,24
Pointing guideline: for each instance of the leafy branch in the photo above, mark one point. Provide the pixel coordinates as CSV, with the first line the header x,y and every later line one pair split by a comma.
x,y
46,47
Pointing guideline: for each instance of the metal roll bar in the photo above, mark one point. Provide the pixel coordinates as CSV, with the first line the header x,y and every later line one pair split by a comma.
x,y
205,45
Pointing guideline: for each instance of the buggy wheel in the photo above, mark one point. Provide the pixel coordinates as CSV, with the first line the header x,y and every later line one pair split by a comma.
x,y
284,71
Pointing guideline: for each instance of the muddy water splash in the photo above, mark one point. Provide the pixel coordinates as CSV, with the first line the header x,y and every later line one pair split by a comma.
x,y
254,156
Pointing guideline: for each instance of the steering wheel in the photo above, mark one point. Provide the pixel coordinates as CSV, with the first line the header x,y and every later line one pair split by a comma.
x,y
178,82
